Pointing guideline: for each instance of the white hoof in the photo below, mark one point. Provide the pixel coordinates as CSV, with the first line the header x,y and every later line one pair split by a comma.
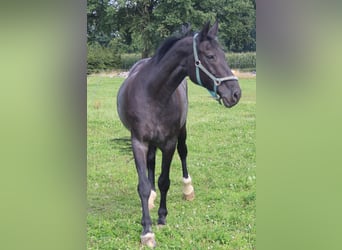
x,y
151,199
148,240
188,189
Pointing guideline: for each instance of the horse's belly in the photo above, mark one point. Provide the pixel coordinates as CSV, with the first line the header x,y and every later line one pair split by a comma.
x,y
121,106
182,102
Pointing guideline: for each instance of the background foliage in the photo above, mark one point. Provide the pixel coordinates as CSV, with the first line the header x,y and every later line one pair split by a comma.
x,y
115,27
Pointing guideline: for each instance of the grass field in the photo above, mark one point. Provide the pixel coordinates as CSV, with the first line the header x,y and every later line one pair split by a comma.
x,y
221,162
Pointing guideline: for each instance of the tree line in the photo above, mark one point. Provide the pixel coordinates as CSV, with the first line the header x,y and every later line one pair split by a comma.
x,y
139,26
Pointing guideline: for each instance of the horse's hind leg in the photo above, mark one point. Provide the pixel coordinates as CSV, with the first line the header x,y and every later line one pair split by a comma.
x,y
164,180
188,189
144,189
151,164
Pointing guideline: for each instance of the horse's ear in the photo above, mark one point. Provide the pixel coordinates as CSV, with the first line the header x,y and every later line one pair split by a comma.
x,y
213,31
204,32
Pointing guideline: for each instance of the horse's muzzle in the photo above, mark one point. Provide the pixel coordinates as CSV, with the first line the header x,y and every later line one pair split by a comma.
x,y
233,99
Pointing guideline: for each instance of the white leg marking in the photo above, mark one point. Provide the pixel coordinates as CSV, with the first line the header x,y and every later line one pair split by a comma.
x,y
148,240
151,199
188,189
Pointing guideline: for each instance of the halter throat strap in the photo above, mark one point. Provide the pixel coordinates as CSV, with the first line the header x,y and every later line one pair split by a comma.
x,y
199,66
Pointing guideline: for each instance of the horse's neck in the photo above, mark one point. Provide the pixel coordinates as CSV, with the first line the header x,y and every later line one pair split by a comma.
x,y
171,69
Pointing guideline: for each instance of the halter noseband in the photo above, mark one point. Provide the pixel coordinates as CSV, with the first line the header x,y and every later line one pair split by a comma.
x,y
199,65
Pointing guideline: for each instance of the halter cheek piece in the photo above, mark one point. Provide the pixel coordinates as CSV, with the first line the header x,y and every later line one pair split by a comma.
x,y
199,65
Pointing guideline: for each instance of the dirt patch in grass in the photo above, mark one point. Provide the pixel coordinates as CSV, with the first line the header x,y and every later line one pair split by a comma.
x,y
114,73
242,74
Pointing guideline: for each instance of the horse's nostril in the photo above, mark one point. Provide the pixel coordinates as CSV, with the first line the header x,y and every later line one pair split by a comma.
x,y
236,95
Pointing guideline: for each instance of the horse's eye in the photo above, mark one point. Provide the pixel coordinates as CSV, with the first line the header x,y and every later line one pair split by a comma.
x,y
210,57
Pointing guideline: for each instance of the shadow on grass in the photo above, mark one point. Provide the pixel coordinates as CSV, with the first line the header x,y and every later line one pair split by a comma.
x,y
122,144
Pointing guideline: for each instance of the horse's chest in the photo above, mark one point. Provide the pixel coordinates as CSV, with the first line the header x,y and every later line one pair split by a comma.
x,y
160,129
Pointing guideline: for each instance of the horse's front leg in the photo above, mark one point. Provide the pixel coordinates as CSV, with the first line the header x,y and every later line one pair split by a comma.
x,y
164,181
140,150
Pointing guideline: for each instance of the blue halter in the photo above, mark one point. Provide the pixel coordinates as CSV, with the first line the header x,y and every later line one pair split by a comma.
x,y
199,65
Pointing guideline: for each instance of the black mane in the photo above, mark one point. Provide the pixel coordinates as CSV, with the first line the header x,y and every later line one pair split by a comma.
x,y
165,47
179,34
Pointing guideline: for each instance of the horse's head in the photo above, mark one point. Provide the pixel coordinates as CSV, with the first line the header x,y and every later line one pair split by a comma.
x,y
208,67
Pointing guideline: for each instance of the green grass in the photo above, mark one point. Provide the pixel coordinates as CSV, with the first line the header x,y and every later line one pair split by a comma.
x,y
221,162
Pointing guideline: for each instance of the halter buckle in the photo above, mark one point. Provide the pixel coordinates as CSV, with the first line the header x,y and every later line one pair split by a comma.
x,y
217,82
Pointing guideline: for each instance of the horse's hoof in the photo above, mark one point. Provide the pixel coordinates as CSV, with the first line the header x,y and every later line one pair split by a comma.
x,y
162,220
153,196
160,226
148,240
189,197
188,189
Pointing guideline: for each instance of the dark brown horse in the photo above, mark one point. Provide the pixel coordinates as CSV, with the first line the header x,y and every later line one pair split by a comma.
x,y
152,104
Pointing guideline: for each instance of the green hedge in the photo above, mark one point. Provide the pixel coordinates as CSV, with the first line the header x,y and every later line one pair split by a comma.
x,y
101,59
242,60
127,60
235,60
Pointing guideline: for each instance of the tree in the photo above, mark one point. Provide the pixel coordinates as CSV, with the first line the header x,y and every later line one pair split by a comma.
x,y
237,21
137,22
150,21
140,25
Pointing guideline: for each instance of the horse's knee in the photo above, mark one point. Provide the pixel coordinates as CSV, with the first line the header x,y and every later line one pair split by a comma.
x,y
163,184
144,190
